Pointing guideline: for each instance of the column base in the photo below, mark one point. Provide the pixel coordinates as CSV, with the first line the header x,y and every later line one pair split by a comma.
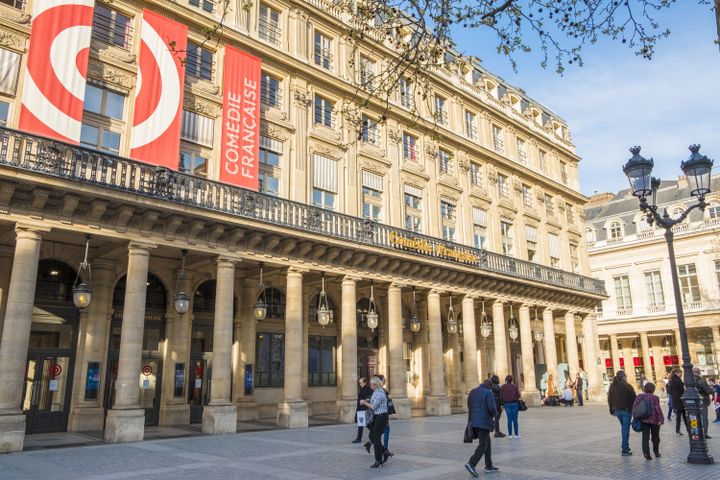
x,y
346,411
247,410
219,419
437,406
531,397
175,414
122,426
597,395
12,432
86,419
292,415
402,407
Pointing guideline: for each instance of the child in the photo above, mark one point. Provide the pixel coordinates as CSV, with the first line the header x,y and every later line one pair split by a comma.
x,y
651,425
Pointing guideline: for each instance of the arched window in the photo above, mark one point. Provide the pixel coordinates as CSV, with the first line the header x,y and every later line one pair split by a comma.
x,y
589,235
156,298
55,282
312,308
275,301
204,298
615,230
643,225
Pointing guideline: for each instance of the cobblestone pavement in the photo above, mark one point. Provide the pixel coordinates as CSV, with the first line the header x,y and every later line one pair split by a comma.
x,y
569,443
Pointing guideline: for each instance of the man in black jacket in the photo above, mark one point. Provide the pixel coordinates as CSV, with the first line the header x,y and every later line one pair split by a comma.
x,y
364,393
676,389
621,396
498,404
706,393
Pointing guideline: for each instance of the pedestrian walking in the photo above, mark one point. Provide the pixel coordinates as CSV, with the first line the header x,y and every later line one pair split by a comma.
x,y
706,393
676,388
510,399
621,397
364,393
378,404
651,424
498,404
482,411
666,382
716,403
386,431
579,388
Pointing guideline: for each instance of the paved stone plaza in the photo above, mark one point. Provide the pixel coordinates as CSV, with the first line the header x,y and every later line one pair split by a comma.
x,y
568,443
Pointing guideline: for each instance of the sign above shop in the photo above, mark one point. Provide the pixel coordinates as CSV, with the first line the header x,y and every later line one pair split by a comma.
x,y
426,247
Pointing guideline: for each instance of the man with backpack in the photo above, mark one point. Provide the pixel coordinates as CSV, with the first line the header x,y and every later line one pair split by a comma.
x,y
621,396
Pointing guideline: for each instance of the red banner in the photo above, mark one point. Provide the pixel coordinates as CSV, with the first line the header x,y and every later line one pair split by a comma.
x,y
636,361
155,134
608,363
54,81
622,362
241,120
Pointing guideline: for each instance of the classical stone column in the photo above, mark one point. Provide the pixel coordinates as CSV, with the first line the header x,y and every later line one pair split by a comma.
x,y
245,335
592,358
347,403
6,257
398,383
529,392
457,392
437,402
571,345
499,341
472,379
88,414
629,363
293,411
550,346
16,336
716,345
220,415
659,363
125,422
615,353
647,363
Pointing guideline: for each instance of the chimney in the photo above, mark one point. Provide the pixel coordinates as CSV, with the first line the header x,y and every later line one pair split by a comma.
x,y
682,182
599,199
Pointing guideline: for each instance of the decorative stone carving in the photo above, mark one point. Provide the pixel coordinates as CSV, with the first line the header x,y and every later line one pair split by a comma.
x,y
12,40
201,105
394,135
17,16
110,51
111,75
204,86
328,150
302,98
279,134
464,164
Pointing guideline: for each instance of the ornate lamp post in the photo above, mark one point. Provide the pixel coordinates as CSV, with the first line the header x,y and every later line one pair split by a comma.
x,y
414,323
372,315
538,334
513,330
452,326
697,169
182,299
260,307
485,325
82,291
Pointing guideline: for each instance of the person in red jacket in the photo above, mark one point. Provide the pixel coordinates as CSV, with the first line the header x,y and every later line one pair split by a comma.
x,y
510,400
651,425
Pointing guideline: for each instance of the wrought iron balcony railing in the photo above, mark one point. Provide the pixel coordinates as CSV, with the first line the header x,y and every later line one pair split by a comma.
x,y
86,166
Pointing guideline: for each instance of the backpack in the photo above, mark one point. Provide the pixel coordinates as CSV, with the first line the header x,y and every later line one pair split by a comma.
x,y
642,410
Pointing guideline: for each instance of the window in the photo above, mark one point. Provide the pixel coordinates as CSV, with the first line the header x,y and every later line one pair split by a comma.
x,y
470,126
270,154
197,131
445,161
369,132
367,72
270,360
100,138
554,249
270,91
714,211
406,93
589,235
476,174
448,218
497,138
622,295
689,283
103,108
717,274
653,284
507,237
616,231
111,27
549,205
570,214
19,4
479,227
543,161
441,115
104,102
275,301
269,25
323,112
4,113
531,240
410,151
323,51
563,173
321,361
413,208
372,188
503,187
207,5
193,163
527,195
9,70
199,62
324,182
522,151
574,258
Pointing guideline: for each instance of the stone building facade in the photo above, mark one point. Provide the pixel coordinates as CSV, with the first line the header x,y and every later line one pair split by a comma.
x,y
486,216
637,323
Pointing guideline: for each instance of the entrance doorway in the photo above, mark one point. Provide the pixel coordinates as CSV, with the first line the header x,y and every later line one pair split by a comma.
x,y
201,348
51,350
367,352
150,374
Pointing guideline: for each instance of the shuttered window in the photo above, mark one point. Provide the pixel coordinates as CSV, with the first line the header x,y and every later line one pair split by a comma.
x,y
531,234
325,173
414,191
554,247
372,181
479,217
9,69
197,128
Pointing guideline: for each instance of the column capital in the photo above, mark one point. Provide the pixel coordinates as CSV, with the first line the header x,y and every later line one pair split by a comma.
x,y
397,285
524,306
434,292
226,260
297,271
141,247
350,279
469,298
35,228
570,313
547,310
498,301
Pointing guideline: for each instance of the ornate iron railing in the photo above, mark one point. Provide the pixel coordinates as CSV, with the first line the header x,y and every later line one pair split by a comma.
x,y
92,167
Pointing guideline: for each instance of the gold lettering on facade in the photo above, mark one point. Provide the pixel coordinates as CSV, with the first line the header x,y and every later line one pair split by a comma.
x,y
420,245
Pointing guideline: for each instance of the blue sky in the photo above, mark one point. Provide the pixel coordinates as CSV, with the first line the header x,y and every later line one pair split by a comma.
x,y
617,99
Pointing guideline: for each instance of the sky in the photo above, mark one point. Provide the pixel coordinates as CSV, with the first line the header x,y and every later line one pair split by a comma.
x,y
617,99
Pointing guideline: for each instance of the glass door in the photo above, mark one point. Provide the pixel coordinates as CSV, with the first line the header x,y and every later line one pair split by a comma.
x,y
46,401
199,388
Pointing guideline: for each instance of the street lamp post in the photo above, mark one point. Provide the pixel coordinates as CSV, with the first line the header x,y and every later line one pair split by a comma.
x,y
697,169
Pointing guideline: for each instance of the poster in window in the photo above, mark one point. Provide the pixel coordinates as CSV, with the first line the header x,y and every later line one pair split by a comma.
x,y
248,379
92,381
179,383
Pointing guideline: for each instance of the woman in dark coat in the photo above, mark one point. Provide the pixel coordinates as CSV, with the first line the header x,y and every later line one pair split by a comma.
x,y
364,393
676,388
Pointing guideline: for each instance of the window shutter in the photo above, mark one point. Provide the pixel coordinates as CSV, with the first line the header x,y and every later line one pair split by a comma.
x,y
9,69
413,191
479,217
271,144
531,234
197,128
325,173
372,180
554,245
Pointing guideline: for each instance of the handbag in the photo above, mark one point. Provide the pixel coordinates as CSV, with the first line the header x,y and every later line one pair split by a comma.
x,y
361,419
369,417
391,406
636,425
469,435
522,406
